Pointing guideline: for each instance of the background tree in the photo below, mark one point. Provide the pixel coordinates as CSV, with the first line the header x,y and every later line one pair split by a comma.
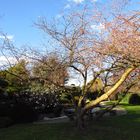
x,y
94,89
49,72
17,77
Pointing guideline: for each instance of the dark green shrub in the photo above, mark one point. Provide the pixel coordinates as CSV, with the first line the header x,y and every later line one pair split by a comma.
x,y
5,122
92,95
27,107
57,111
3,83
22,113
18,112
134,99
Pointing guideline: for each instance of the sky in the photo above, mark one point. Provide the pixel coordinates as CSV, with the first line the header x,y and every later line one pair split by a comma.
x,y
17,17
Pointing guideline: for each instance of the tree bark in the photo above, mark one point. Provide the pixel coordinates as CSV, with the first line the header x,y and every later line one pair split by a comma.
x,y
80,122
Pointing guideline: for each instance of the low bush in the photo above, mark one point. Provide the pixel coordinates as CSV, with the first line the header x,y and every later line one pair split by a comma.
x,y
5,122
27,107
57,110
22,113
19,112
134,99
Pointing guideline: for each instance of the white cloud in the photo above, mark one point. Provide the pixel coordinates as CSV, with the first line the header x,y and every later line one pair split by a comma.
x,y
80,1
98,27
67,6
74,81
10,37
5,61
77,1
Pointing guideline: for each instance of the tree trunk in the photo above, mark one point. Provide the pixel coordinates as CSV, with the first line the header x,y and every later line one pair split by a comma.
x,y
81,110
80,122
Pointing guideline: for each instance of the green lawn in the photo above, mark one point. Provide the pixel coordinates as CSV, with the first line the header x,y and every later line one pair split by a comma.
x,y
116,128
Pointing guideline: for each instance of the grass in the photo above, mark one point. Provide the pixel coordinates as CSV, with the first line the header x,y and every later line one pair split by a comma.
x,y
116,128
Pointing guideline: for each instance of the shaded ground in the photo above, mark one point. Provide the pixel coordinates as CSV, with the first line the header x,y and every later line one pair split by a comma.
x,y
118,109
125,127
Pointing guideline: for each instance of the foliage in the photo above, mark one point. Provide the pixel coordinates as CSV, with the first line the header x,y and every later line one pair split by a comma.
x,y
94,89
17,77
16,109
30,105
3,85
70,95
49,72
134,99
23,113
5,122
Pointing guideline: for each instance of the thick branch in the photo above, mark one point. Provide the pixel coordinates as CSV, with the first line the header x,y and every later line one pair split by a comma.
x,y
111,91
116,103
